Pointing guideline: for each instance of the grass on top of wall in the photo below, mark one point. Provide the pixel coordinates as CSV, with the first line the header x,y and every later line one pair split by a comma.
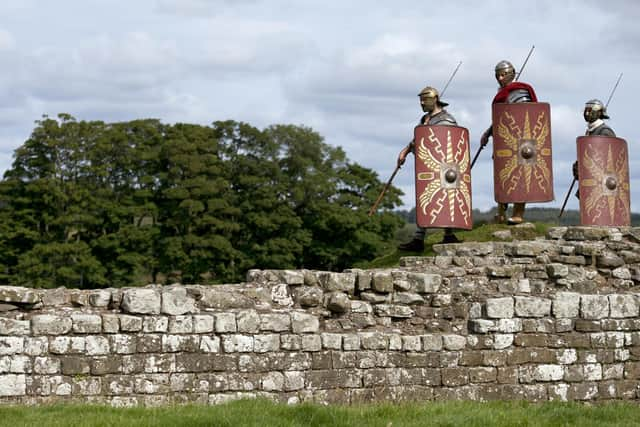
x,y
264,413
481,233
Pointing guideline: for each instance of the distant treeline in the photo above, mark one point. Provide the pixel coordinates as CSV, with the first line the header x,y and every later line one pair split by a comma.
x,y
546,215
92,204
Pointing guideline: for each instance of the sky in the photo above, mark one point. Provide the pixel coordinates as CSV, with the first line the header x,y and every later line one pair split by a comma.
x,y
350,70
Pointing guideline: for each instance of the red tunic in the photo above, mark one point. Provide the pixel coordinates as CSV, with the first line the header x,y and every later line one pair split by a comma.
x,y
503,93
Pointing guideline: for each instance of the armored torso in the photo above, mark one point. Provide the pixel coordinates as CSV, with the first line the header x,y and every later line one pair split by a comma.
x,y
600,130
442,118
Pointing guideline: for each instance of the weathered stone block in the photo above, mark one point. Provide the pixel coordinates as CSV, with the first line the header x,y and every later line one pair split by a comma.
x,y
225,322
47,324
11,345
425,283
594,306
276,322
338,282
176,301
308,296
130,323
393,310
500,308
623,305
96,345
14,327
12,385
338,302
19,295
532,306
141,301
382,282
237,343
86,323
266,343
155,324
181,324
566,304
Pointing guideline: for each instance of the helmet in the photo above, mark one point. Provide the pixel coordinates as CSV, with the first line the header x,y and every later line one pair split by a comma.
x,y
429,97
594,109
506,69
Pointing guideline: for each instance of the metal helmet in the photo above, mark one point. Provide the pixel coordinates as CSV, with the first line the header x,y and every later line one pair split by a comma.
x,y
594,109
507,70
429,98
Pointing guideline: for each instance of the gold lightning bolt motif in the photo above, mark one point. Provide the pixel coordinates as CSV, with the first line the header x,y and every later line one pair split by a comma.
x,y
515,172
600,199
437,157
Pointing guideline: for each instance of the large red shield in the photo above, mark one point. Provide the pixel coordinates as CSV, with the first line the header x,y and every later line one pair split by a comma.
x,y
522,166
603,168
443,177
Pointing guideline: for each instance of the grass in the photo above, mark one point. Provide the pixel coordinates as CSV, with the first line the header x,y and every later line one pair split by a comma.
x,y
264,413
480,233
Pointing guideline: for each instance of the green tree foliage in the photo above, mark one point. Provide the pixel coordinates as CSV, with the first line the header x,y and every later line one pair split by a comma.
x,y
92,204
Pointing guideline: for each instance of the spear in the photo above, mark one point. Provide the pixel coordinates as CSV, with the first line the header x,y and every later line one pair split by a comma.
x,y
524,64
395,171
566,198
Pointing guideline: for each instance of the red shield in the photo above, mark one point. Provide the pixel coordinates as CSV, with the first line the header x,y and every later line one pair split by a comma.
x,y
443,177
522,167
603,168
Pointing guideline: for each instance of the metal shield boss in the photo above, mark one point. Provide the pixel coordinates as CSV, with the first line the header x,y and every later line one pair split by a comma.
x,y
522,165
443,177
603,168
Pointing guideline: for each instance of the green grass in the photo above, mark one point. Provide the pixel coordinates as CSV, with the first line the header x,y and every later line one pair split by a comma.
x,y
480,233
264,413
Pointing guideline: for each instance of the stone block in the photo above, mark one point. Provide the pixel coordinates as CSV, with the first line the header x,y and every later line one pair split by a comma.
x,y
86,323
382,282
594,306
225,322
152,324
566,305
47,324
141,301
623,305
532,306
14,327
181,324
12,385
11,345
275,322
500,308
338,282
176,301
425,283
18,295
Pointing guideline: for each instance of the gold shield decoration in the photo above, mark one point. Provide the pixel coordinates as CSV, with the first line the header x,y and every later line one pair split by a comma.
x,y
522,164
603,168
443,177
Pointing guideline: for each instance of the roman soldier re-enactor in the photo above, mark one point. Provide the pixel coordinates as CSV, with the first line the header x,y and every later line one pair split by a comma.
x,y
603,171
594,114
435,114
511,92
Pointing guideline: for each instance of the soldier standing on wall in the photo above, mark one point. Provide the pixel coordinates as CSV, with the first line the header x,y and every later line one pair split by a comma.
x,y
434,115
510,92
594,114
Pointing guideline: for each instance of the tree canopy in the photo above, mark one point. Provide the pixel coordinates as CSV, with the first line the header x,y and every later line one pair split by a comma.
x,y
93,204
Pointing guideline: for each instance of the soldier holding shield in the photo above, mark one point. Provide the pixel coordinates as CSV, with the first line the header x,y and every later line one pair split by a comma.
x,y
602,170
522,169
435,115
594,114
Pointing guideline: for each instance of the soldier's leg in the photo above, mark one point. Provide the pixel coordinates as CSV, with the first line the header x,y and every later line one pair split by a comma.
x,y
449,237
417,244
518,214
501,215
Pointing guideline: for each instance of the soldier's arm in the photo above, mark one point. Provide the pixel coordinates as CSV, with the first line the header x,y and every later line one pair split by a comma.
x,y
484,139
402,156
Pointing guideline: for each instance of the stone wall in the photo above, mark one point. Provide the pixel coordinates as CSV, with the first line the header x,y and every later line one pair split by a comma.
x,y
537,320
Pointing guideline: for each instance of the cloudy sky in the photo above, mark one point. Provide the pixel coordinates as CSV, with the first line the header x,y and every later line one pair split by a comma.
x,y
348,69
